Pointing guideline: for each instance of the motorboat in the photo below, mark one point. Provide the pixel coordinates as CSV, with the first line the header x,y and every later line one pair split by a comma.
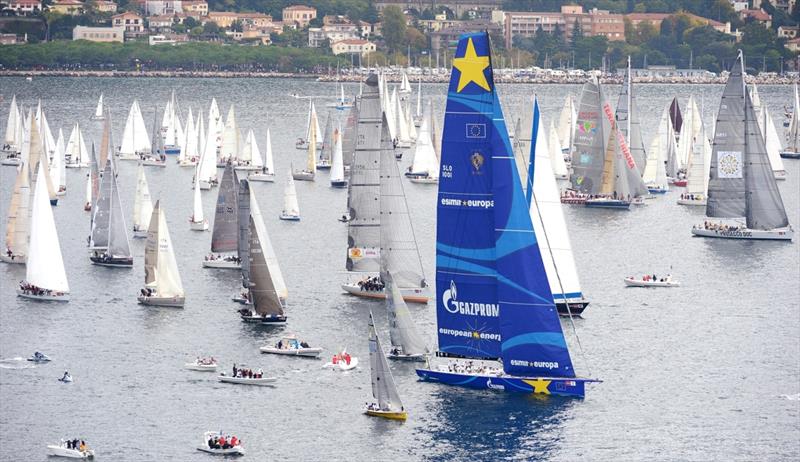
x,y
222,262
342,361
202,365
39,358
236,450
291,346
667,281
61,450
262,381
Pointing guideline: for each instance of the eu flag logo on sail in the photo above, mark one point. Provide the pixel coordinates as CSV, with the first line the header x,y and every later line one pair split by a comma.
x,y
476,130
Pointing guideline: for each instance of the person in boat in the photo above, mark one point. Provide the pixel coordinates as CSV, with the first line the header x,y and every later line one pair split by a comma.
x,y
304,345
66,376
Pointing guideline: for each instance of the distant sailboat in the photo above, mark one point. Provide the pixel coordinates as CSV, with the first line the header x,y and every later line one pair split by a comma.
x,y
291,209
742,183
384,390
567,121
135,140
698,166
267,167
224,239
37,158
425,166
58,167
494,303
326,153
312,129
198,221
142,205
45,277
771,139
559,166
162,283
310,171
75,152
231,140
12,142
337,164
109,239
99,111
171,127
792,150
662,147
18,222
589,141
614,190
675,116
190,146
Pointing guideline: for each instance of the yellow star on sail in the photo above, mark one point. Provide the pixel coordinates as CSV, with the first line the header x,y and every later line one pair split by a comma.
x,y
539,385
471,67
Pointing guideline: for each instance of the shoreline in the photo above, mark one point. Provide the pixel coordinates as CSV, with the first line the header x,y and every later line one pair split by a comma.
x,y
393,77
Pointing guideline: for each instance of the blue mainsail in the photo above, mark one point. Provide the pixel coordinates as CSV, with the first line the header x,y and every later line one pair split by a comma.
x,y
536,126
493,298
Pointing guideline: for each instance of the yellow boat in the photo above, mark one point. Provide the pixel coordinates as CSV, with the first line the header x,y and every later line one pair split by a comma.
x,y
393,415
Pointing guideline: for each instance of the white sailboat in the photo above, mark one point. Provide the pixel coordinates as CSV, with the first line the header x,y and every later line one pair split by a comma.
x,y
559,166
135,140
162,283
231,140
389,405
337,167
308,173
45,277
12,141
37,157
189,151
142,205
18,222
108,241
312,129
225,252
250,156
58,167
792,150
771,139
425,166
198,221
99,111
267,172
655,172
566,124
171,128
401,121
329,138
75,152
207,167
697,171
291,209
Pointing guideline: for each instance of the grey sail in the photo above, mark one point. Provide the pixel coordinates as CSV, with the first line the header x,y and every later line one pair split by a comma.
x,y
326,153
628,122
101,213
226,232
244,230
398,246
262,290
383,387
622,180
363,230
590,140
157,141
763,201
151,248
672,165
402,330
94,172
118,243
349,136
726,181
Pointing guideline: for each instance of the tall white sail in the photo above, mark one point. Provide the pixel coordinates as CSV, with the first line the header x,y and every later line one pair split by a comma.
x,y
403,332
269,252
566,123
290,205
207,167
269,165
793,135
58,166
18,223
250,152
189,142
401,122
11,141
75,150
337,163
230,137
691,129
773,143
160,267
557,162
135,139
200,128
142,203
425,160
197,205
99,111
655,173
45,266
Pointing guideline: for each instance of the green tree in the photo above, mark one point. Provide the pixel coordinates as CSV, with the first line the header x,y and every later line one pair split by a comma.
x,y
394,28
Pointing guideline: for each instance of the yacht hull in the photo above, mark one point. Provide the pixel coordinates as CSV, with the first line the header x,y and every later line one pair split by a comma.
x,y
173,302
790,155
571,387
392,415
221,264
781,234
43,298
409,295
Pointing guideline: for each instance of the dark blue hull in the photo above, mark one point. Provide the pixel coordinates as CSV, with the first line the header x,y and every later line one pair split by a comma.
x,y
608,204
172,149
656,191
572,387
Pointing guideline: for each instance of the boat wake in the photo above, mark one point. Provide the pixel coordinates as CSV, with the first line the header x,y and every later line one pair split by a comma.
x,y
15,363
794,397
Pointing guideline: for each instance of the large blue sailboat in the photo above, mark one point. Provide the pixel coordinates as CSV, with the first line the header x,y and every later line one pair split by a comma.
x,y
497,322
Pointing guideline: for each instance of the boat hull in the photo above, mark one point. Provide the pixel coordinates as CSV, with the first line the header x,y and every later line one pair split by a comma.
x,y
339,184
172,149
113,262
694,202
262,382
780,175
392,415
630,282
423,180
153,163
790,155
235,451
43,298
576,307
201,367
303,176
657,190
11,161
221,264
60,451
416,358
172,302
680,183
267,178
572,387
289,217
608,204
198,226
409,295
303,352
13,259
139,233
781,234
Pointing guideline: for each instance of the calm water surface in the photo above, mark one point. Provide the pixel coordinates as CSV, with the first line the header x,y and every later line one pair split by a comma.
x,y
710,370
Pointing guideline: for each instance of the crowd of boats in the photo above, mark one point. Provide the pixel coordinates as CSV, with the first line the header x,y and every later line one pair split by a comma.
x,y
504,258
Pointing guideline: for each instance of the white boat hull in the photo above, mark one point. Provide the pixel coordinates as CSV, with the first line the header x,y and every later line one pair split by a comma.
x,y
246,168
262,382
418,358
76,165
60,451
235,451
174,302
695,202
154,163
631,282
409,294
342,366
11,161
304,352
286,217
421,180
13,259
201,367
265,177
780,234
198,226
303,176
139,234
221,264
45,298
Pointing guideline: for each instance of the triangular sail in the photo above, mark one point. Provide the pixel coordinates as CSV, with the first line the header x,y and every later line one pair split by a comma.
x,y
12,124
262,290
591,135
655,173
675,115
383,388
45,265
628,121
98,111
160,267
772,141
76,147
269,252
402,330
793,136
197,205
398,246
269,165
326,153
337,163
118,243
244,230
143,204
290,204
18,224
101,212
425,161
224,237
490,279
349,136
726,188
230,138
363,229
557,163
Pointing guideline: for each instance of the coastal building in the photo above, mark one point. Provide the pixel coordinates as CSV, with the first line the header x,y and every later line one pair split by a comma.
x,y
68,7
225,19
195,8
476,8
787,6
739,5
369,29
667,72
13,39
299,15
25,7
105,6
592,23
167,39
793,45
438,23
788,32
160,23
759,16
655,19
132,23
99,34
334,29
448,37
353,46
